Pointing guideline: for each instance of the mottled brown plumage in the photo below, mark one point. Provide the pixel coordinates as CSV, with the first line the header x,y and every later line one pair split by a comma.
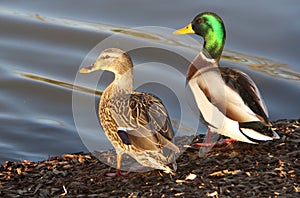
x,y
136,123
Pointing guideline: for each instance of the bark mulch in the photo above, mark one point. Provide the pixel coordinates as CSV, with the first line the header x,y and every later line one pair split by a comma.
x,y
270,169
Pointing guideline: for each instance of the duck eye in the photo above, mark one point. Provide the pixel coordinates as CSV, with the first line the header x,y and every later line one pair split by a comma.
x,y
200,21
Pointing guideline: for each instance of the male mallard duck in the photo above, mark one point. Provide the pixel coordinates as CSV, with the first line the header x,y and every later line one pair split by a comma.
x,y
136,123
227,98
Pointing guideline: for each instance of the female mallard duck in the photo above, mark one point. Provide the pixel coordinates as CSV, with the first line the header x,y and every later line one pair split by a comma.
x,y
136,123
227,98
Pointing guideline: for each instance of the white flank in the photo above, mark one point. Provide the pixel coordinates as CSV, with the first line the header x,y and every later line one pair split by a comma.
x,y
211,114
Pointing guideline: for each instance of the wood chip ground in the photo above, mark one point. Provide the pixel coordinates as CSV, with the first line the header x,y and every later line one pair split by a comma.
x,y
270,169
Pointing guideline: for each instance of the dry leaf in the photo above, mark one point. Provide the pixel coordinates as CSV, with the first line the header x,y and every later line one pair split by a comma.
x,y
191,176
179,181
179,194
217,173
81,159
65,191
19,171
215,193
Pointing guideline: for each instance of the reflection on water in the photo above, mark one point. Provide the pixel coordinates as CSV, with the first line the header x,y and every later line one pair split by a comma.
x,y
267,66
22,15
275,69
62,84
40,57
137,34
47,121
283,71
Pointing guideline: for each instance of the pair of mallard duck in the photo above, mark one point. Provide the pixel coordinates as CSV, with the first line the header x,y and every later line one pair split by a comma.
x,y
138,123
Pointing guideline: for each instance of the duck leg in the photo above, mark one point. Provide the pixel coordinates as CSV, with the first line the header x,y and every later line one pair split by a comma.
x,y
208,142
118,168
226,141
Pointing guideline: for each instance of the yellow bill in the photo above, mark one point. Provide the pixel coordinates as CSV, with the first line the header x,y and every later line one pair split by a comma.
x,y
186,30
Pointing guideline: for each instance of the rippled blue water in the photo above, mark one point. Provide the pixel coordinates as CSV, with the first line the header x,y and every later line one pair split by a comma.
x,y
42,45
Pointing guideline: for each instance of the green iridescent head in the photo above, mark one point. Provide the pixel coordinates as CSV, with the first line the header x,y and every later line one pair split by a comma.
x,y
209,26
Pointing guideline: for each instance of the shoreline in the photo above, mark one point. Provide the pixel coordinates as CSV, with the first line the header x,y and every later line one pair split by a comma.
x,y
237,169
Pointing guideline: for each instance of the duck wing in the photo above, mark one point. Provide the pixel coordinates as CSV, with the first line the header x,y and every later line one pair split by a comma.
x,y
144,121
243,93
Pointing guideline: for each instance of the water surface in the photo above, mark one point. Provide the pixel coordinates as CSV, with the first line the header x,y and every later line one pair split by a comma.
x,y
42,45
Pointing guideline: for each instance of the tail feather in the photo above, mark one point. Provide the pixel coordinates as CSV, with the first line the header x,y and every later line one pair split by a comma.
x,y
257,131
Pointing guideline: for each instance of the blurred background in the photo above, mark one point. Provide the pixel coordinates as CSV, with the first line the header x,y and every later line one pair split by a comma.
x,y
42,45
